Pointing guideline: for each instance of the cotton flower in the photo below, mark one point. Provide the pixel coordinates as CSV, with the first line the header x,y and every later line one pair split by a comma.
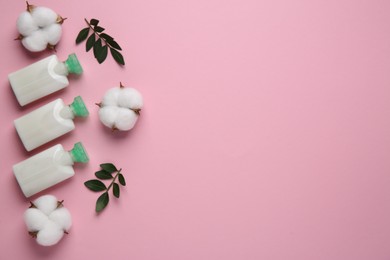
x,y
47,220
120,108
39,28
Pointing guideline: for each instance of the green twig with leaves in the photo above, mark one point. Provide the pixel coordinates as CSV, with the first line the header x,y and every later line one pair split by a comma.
x,y
106,173
100,42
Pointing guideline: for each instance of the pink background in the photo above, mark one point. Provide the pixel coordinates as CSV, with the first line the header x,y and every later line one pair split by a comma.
x,y
265,131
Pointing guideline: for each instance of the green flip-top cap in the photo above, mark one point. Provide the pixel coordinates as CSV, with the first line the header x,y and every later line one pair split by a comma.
x,y
73,65
78,107
78,153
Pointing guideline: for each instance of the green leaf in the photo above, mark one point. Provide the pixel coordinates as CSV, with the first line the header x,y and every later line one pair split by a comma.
x,y
117,56
94,22
83,34
102,55
97,47
103,175
115,190
114,44
98,40
108,167
106,36
121,179
98,29
102,201
95,185
90,42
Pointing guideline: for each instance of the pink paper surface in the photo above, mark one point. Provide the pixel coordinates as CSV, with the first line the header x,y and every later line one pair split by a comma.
x,y
264,135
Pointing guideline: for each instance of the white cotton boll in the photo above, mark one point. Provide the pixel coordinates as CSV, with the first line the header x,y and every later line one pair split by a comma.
x,y
125,119
50,235
47,220
108,115
35,219
35,42
26,24
111,97
44,16
130,98
46,203
39,28
128,103
53,33
62,218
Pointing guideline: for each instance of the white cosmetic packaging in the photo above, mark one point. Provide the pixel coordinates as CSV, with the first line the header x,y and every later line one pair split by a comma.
x,y
49,122
48,168
43,78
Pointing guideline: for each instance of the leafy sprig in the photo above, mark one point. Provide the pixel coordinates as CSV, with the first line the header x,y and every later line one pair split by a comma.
x,y
106,173
100,42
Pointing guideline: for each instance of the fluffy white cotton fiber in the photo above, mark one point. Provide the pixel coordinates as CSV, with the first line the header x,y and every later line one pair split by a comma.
x,y
110,98
43,16
35,42
48,220
62,218
108,115
26,24
47,204
120,108
39,28
53,33
126,119
35,219
130,98
50,234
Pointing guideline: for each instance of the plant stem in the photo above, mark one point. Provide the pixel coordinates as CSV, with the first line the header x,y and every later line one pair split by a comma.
x,y
113,180
97,34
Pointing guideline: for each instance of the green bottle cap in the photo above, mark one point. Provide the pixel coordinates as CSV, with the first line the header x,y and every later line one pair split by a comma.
x,y
78,153
73,65
78,107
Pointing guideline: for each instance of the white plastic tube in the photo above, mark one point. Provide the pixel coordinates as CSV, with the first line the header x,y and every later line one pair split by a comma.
x,y
42,78
48,168
48,122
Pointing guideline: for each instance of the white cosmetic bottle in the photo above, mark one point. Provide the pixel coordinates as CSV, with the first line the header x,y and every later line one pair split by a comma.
x,y
43,78
49,122
48,168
